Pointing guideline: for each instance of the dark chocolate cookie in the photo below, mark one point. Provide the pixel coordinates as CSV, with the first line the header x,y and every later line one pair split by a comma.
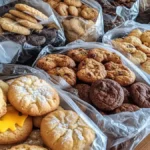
x,y
106,94
140,93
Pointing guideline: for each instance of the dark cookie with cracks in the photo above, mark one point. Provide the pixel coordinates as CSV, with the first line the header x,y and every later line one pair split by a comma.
x,y
106,94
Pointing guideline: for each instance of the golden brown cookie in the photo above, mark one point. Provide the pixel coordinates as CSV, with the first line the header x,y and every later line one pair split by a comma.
x,y
146,66
8,15
12,26
66,130
136,32
55,60
22,15
4,86
145,38
33,96
3,108
78,54
113,57
62,9
18,128
73,11
76,3
89,70
66,73
31,11
52,3
120,73
144,48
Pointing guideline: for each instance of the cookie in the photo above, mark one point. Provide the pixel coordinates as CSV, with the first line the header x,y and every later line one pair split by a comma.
x,y
15,126
78,54
27,147
127,95
73,11
36,40
126,108
52,3
31,11
120,73
33,96
55,60
140,93
83,92
22,15
62,9
76,3
118,40
64,72
72,132
3,108
4,87
146,66
113,57
136,32
89,70
1,30
11,26
106,94
8,15
145,38
144,48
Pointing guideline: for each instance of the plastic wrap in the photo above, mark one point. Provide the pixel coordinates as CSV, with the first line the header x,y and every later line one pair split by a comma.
x,y
13,71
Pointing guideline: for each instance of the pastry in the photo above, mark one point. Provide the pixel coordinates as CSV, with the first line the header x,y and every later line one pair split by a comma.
x,y
66,73
78,54
73,11
120,73
62,9
145,38
76,3
4,87
144,48
66,131
1,30
126,108
8,15
106,94
140,93
52,3
33,96
113,57
146,66
89,70
14,127
136,32
3,108
11,26
55,60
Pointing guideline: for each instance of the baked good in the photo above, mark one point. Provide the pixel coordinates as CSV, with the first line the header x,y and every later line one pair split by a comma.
x,y
136,32
52,3
146,66
78,54
33,96
3,108
145,38
127,95
8,15
62,9
27,147
1,30
76,3
67,73
120,73
66,131
140,93
31,11
14,127
106,94
11,26
55,60
73,11
4,86
89,70
83,92
126,108
144,48
113,57
9,82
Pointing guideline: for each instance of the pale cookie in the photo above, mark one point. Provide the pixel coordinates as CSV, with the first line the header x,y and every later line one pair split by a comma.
x,y
73,11
22,15
12,26
66,131
62,9
3,108
4,86
89,70
30,25
33,96
138,57
27,147
144,48
76,3
8,15
145,38
136,32
18,128
31,11
146,66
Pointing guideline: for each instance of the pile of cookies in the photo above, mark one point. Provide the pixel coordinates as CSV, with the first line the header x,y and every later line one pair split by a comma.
x,y
28,102
136,46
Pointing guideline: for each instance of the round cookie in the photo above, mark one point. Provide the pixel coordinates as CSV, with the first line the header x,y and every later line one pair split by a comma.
x,y
140,93
33,96
76,3
126,108
73,11
136,32
4,86
18,128
66,131
145,38
106,94
146,66
62,9
66,73
143,48
89,70
127,95
3,108
52,3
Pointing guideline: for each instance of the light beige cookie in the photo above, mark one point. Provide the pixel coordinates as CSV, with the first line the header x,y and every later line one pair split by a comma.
x,y
8,15
12,26
3,108
76,3
136,32
31,11
66,130
4,86
73,11
146,66
144,48
22,15
33,96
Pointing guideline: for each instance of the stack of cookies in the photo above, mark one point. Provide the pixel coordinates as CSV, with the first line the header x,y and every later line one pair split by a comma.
x,y
136,46
28,102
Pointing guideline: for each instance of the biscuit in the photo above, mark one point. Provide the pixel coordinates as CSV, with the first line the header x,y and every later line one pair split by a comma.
x,y
145,38
17,130
4,86
62,9
8,15
106,94
52,3
31,11
136,32
9,82
76,3
89,70
64,72
144,48
146,66
78,54
3,108
55,60
113,57
22,15
73,11
27,147
30,25
120,73
11,26
33,96
66,131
